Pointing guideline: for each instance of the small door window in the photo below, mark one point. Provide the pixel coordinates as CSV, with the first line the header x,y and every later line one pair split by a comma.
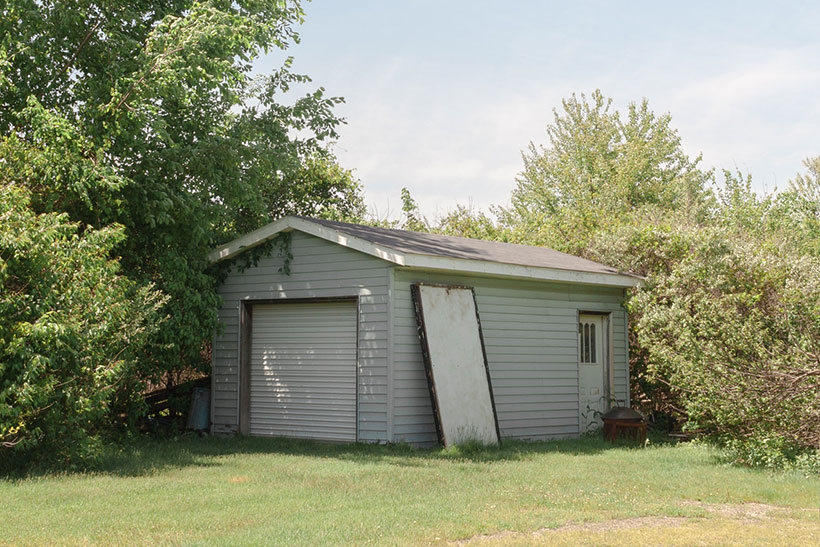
x,y
586,341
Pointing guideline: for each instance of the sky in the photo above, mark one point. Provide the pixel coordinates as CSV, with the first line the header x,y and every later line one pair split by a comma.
x,y
441,97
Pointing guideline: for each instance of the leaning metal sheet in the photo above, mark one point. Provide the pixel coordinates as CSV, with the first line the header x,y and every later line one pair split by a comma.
x,y
450,334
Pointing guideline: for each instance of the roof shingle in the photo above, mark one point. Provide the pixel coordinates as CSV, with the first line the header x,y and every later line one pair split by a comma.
x,y
464,248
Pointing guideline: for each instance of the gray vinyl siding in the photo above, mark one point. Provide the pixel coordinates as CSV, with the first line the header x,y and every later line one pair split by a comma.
x,y
318,269
530,334
620,359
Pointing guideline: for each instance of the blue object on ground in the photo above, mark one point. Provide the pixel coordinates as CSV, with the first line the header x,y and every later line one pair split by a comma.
x,y
199,415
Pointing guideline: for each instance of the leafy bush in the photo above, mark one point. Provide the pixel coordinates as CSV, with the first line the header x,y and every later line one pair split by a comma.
x,y
772,453
72,330
734,330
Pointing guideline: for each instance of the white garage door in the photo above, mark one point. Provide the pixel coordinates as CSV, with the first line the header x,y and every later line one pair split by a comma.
x,y
303,370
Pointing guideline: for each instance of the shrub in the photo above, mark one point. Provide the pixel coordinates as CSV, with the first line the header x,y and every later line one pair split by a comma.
x,y
71,333
734,330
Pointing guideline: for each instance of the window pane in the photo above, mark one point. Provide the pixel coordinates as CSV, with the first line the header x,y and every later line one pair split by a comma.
x,y
586,342
592,343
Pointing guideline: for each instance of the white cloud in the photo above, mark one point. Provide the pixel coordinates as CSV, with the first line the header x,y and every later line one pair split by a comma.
x,y
761,116
762,74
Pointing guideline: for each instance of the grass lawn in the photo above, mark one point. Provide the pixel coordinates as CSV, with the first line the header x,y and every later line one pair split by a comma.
x,y
268,491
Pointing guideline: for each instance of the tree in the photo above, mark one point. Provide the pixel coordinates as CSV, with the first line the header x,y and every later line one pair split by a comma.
x,y
616,189
600,171
159,95
466,222
808,185
413,219
799,209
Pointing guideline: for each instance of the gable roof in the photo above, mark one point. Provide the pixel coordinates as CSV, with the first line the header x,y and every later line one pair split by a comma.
x,y
440,252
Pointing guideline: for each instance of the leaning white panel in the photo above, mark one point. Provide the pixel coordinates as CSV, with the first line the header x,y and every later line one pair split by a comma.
x,y
454,356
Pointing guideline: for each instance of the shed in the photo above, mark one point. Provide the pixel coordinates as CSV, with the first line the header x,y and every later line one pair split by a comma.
x,y
320,341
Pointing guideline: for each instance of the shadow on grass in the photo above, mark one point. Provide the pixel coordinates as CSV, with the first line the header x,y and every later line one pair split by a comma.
x,y
149,455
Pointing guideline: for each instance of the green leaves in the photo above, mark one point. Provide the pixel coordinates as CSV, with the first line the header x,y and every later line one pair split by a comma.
x,y
138,129
735,330
64,170
71,330
725,333
600,171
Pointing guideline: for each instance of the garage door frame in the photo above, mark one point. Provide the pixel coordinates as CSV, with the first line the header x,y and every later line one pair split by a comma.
x,y
245,330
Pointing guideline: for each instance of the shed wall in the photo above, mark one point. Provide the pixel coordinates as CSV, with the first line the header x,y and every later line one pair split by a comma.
x,y
530,332
318,269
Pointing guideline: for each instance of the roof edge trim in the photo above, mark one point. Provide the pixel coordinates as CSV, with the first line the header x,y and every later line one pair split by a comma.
x,y
284,224
535,273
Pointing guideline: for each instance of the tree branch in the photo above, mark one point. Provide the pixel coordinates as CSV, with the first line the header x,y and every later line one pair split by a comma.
x,y
80,47
142,78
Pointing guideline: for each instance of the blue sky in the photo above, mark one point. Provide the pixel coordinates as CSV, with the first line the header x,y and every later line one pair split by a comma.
x,y
441,97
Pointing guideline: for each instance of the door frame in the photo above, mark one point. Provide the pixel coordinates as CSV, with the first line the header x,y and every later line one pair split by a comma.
x,y
606,347
245,332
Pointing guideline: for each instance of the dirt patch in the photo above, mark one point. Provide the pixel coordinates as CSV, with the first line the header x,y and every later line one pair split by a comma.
x,y
618,524
615,524
740,511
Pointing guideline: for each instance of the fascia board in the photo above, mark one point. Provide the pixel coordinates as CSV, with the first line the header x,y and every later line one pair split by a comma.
x,y
352,242
252,239
461,265
249,240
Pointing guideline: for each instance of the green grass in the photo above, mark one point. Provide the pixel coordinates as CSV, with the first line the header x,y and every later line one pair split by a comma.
x,y
252,491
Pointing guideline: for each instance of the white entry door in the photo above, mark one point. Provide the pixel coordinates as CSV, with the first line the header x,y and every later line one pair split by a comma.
x,y
592,370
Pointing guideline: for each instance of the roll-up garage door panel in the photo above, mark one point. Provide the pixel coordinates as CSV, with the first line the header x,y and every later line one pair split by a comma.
x,y
303,370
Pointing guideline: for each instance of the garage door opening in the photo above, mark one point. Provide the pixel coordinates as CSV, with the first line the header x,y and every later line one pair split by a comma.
x,y
301,370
